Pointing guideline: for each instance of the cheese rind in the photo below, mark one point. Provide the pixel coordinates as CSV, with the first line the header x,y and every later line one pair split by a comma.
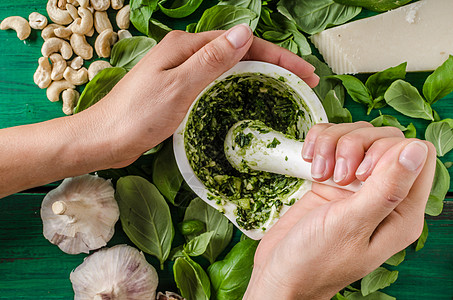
x,y
420,34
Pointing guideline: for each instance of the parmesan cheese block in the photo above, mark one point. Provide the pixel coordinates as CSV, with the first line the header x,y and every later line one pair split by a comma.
x,y
420,34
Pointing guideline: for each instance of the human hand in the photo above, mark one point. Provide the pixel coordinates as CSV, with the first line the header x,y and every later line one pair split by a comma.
x,y
332,237
150,102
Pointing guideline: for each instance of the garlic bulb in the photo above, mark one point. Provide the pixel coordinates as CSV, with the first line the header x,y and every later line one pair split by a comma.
x,y
118,273
169,296
80,214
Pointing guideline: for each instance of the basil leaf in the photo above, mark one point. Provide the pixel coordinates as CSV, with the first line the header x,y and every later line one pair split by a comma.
x,y
191,227
128,52
406,99
166,175
214,221
145,216
386,120
154,150
325,84
423,237
441,135
191,279
334,110
141,12
99,87
222,17
191,27
197,246
372,296
356,89
290,45
180,8
276,36
439,189
253,5
315,16
378,279
339,296
158,30
440,83
397,258
378,83
230,276
378,6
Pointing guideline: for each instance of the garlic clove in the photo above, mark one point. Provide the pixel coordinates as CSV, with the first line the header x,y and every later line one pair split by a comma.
x,y
120,272
80,214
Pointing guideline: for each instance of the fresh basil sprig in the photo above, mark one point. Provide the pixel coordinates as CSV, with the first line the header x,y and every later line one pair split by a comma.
x,y
222,17
441,135
397,258
335,112
376,280
386,120
141,12
253,5
191,279
128,52
439,189
440,83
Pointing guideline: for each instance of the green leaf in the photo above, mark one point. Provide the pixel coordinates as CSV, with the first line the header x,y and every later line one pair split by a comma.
x,y
397,258
439,189
372,296
440,83
253,5
334,110
128,52
315,16
154,150
386,120
180,8
189,227
166,175
406,99
191,279
230,276
276,36
191,27
141,12
290,45
223,17
99,87
378,279
145,216
356,89
158,30
378,83
197,246
215,221
379,6
441,135
423,237
339,296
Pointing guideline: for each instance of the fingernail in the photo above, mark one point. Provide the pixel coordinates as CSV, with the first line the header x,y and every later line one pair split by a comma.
x,y
318,167
341,170
239,35
413,155
308,149
364,167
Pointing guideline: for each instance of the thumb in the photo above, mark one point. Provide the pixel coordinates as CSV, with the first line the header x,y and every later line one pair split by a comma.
x,y
217,56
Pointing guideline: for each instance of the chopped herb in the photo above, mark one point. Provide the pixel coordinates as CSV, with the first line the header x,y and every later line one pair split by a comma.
x,y
273,144
243,140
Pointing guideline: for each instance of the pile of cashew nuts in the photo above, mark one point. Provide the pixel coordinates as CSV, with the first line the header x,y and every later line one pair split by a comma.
x,y
73,21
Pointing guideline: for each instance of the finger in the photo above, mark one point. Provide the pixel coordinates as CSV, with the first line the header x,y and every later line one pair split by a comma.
x,y
404,226
325,146
309,142
266,51
388,185
351,149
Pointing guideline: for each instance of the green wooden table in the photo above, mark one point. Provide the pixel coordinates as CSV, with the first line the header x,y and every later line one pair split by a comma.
x,y
32,268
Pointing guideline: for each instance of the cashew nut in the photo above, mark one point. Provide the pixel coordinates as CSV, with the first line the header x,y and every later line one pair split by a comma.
x,y
58,66
42,74
37,21
84,3
49,31
123,17
96,67
83,24
90,8
62,4
73,2
117,4
76,77
104,42
54,90
70,98
53,45
76,63
18,24
57,15
101,21
81,47
64,32
90,33
124,34
100,5
72,11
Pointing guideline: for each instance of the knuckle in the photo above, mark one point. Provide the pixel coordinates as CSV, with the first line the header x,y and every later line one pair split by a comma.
x,y
212,55
363,124
393,191
393,131
326,139
349,141
173,35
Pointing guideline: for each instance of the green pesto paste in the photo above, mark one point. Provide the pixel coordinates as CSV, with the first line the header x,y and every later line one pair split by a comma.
x,y
239,97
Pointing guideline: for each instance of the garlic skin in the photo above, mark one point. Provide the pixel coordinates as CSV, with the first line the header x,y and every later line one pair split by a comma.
x,y
80,214
169,296
117,273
